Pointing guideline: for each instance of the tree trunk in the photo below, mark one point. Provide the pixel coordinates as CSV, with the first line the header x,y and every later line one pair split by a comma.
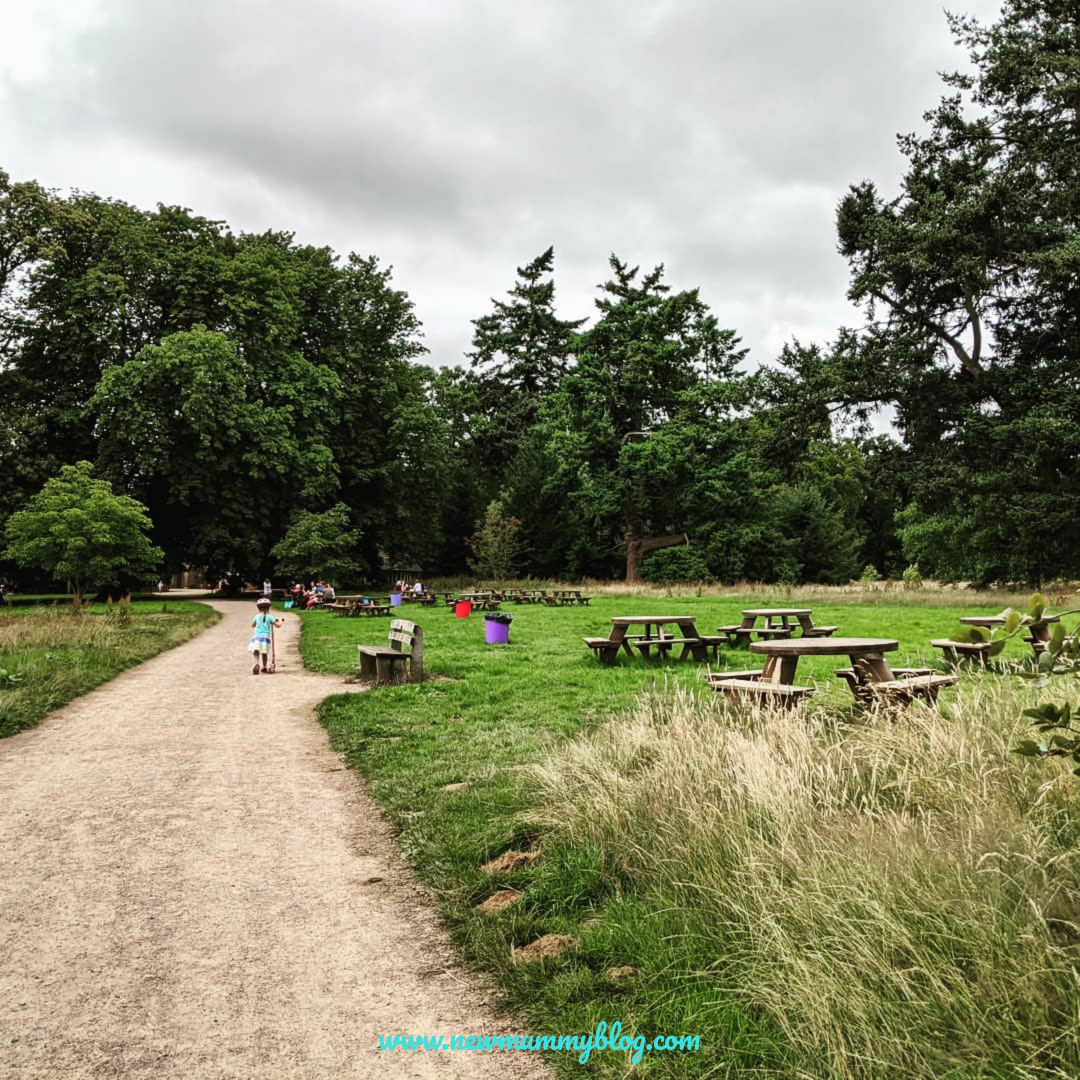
x,y
638,546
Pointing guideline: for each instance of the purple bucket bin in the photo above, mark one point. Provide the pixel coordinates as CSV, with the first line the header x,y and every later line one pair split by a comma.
x,y
395,599
496,633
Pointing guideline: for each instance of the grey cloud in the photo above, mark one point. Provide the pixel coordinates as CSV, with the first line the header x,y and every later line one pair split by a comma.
x,y
458,138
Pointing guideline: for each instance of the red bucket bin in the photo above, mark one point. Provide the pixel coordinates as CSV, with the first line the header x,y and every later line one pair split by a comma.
x,y
462,609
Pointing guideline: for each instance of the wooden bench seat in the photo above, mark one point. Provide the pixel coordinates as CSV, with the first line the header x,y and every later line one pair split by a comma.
x,y
663,645
904,691
725,676
386,665
713,641
738,635
969,650
773,693
373,609
605,649
819,631
859,687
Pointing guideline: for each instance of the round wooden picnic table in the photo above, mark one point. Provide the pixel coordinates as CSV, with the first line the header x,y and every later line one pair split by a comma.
x,y
783,655
1038,628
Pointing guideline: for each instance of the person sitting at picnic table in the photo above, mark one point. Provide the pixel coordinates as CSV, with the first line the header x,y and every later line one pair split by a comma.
x,y
329,594
418,589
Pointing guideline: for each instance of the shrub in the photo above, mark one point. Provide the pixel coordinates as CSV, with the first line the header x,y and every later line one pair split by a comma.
x,y
670,566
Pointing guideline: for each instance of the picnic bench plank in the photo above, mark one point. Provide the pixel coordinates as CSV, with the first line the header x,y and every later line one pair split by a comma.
x,y
779,693
954,651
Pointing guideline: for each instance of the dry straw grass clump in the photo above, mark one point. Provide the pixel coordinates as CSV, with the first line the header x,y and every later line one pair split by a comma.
x,y
899,894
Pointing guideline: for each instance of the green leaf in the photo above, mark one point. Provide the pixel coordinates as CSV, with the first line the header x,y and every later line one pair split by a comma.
x,y
1012,621
1036,606
1027,748
997,647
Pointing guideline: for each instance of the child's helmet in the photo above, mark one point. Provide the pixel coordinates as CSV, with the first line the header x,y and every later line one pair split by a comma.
x,y
263,602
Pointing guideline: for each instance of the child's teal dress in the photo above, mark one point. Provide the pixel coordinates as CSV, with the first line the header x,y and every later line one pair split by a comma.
x,y
260,639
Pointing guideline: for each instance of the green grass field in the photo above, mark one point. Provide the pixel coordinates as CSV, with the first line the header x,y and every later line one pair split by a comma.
x,y
824,894
49,656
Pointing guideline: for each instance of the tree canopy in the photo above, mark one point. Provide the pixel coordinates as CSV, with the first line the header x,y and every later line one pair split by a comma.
x,y
257,394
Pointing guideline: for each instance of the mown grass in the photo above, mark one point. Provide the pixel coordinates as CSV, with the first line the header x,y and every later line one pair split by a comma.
x,y
821,894
50,655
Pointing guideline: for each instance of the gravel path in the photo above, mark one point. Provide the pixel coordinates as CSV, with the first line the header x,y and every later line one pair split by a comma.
x,y
191,885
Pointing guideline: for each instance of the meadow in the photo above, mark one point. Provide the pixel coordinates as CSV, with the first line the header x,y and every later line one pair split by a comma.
x,y
50,653
827,893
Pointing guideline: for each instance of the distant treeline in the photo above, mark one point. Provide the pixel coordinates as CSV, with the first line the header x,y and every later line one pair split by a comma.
x,y
232,382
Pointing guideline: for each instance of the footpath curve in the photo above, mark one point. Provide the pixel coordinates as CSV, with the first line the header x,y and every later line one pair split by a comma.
x,y
192,885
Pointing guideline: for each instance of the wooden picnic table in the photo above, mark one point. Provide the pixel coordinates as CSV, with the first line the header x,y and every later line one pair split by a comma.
x,y
1039,631
562,597
526,596
990,621
864,653
870,677
778,623
653,637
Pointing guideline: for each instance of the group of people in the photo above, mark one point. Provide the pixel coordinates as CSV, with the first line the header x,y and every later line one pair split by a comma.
x,y
417,589
317,592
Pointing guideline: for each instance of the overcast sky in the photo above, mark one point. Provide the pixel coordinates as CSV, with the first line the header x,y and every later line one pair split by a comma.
x,y
457,139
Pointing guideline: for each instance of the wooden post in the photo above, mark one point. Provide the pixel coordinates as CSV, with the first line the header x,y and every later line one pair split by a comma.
x,y
417,661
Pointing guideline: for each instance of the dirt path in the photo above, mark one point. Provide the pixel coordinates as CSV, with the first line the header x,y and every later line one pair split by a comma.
x,y
191,885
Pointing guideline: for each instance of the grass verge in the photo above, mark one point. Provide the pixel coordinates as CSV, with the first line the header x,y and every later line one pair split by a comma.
x,y
821,894
48,655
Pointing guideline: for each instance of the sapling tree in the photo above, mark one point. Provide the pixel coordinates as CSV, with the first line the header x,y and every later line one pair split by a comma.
x,y
79,530
323,545
496,544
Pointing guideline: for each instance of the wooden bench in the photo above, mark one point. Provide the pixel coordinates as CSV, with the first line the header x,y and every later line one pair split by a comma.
x,y
769,692
713,641
858,685
904,691
605,649
663,645
715,677
385,666
968,650
739,635
819,631
373,609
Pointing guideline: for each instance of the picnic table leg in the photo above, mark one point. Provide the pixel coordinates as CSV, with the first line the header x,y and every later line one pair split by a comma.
x,y
786,670
875,665
618,637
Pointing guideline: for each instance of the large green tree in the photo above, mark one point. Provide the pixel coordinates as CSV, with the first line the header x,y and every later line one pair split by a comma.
x,y
652,371
971,276
77,529
219,449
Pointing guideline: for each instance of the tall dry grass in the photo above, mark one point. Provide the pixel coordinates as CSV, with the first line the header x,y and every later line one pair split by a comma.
x,y
49,655
899,895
